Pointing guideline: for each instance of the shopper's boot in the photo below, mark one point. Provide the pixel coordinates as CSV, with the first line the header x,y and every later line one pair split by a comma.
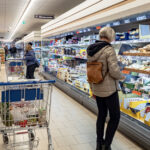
x,y
99,146
107,147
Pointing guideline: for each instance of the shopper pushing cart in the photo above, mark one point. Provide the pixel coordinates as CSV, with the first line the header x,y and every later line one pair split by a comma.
x,y
24,108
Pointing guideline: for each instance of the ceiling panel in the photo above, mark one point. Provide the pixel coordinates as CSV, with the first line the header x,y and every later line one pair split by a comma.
x,y
46,7
10,12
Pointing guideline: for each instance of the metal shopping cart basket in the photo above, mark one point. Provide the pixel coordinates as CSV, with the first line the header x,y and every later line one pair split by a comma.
x,y
24,108
15,67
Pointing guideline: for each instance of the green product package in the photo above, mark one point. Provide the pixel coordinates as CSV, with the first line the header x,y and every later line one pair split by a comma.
x,y
134,74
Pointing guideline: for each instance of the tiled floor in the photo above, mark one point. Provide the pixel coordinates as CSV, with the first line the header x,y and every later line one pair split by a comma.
x,y
3,76
72,126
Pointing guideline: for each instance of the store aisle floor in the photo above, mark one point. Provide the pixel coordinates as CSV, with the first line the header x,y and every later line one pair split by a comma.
x,y
73,126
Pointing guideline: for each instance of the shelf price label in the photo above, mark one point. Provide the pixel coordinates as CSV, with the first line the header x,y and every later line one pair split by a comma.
x,y
125,72
137,93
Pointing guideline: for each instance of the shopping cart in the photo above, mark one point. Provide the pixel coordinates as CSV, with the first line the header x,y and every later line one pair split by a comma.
x,y
25,107
15,67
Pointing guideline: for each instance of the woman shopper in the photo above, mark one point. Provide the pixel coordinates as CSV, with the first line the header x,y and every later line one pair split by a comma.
x,y
105,92
30,61
6,52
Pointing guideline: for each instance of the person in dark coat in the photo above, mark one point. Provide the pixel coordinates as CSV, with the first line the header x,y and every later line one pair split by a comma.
x,y
6,51
13,51
30,61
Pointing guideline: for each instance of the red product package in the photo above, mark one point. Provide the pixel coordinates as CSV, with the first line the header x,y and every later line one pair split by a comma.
x,y
147,109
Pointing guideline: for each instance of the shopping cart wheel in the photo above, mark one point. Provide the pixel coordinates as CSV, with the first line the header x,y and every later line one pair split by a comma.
x,y
51,148
5,139
32,137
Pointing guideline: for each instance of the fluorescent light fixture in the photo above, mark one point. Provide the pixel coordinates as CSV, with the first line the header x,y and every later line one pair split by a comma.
x,y
29,5
6,40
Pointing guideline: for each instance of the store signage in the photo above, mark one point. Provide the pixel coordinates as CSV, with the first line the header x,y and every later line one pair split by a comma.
x,y
117,23
141,18
127,21
44,17
88,29
131,19
81,31
84,30
108,25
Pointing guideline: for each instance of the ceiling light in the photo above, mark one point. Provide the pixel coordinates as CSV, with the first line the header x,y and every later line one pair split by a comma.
x,y
29,5
6,40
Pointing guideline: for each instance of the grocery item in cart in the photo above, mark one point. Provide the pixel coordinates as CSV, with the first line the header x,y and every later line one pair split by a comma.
x,y
6,116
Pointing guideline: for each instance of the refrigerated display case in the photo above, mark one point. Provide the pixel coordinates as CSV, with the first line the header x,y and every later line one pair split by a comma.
x,y
66,63
135,90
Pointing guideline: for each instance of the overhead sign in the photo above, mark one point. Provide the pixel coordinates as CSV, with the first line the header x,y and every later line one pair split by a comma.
x,y
23,22
43,17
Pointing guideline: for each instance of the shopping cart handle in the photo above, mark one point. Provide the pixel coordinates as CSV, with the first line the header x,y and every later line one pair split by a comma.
x,y
16,59
27,82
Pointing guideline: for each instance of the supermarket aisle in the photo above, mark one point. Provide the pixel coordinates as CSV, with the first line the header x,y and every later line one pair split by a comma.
x,y
73,126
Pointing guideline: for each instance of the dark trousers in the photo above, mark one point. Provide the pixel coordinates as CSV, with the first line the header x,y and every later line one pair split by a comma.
x,y
30,72
13,55
106,104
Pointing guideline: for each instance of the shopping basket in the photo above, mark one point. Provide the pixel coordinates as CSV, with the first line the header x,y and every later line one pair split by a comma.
x,y
25,107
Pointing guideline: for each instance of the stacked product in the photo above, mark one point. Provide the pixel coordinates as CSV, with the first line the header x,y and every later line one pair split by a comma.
x,y
2,55
145,51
